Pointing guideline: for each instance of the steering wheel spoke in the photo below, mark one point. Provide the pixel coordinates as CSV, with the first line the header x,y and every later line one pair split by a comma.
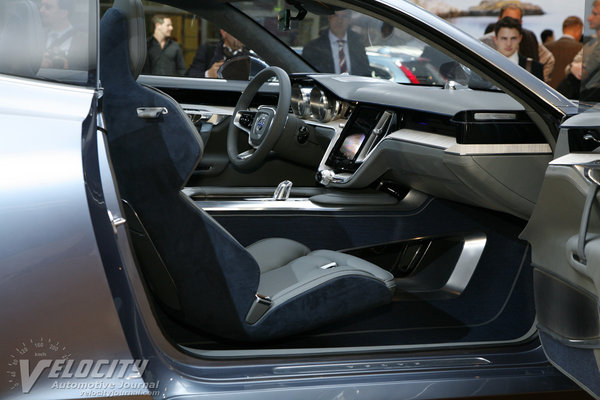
x,y
246,154
244,119
263,126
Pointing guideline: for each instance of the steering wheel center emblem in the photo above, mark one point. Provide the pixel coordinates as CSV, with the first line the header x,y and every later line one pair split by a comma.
x,y
260,124
260,128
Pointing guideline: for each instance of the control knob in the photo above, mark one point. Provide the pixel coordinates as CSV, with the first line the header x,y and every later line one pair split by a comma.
x,y
325,176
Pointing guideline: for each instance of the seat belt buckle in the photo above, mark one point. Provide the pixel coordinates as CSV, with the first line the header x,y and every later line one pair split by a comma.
x,y
260,306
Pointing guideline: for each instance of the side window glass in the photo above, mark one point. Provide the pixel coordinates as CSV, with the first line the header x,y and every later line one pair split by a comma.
x,y
410,60
49,39
181,44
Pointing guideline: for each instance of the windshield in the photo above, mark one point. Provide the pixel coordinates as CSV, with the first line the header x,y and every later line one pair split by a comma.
x,y
345,41
220,43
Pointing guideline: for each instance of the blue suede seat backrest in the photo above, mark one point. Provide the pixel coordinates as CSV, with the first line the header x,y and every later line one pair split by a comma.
x,y
216,278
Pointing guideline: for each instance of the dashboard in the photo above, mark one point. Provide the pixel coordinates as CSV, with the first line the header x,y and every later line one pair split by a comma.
x,y
475,147
471,146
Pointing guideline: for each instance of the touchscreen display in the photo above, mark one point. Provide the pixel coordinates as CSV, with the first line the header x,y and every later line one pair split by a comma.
x,y
351,145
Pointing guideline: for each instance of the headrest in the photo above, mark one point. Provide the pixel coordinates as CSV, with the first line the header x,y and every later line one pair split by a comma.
x,y
136,27
21,38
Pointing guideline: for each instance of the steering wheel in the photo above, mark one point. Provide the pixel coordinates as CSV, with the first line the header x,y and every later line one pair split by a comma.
x,y
264,126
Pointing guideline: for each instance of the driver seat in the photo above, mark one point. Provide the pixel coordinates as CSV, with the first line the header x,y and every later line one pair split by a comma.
x,y
199,273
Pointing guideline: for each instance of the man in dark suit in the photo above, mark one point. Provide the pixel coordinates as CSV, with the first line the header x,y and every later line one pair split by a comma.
x,y
507,37
565,48
337,49
209,58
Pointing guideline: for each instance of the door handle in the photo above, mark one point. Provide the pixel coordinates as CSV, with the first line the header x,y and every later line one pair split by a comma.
x,y
151,112
115,222
576,253
573,257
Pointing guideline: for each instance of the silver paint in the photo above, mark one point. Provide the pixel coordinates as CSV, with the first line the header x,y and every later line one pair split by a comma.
x,y
52,282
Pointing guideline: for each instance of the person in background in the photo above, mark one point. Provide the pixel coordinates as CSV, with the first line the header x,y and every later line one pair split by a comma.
x,y
164,55
529,46
209,58
547,36
582,78
566,48
65,45
389,36
338,49
508,35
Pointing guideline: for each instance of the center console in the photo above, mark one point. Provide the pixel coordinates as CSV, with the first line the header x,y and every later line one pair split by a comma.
x,y
364,130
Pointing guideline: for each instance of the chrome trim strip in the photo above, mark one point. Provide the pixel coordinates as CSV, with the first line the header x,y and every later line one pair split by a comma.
x,y
376,133
201,108
499,149
421,138
575,159
450,146
338,131
412,201
496,116
100,122
263,204
387,365
467,263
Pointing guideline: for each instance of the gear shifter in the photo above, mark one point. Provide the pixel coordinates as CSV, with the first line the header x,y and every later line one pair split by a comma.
x,y
283,191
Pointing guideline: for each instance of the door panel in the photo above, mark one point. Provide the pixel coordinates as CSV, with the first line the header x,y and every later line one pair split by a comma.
x,y
564,233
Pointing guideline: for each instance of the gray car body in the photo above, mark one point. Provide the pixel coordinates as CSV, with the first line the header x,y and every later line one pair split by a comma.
x,y
54,286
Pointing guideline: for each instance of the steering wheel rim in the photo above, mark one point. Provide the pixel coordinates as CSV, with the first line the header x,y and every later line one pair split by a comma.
x,y
267,123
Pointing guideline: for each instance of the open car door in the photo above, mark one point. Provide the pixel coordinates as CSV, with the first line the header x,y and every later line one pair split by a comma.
x,y
564,233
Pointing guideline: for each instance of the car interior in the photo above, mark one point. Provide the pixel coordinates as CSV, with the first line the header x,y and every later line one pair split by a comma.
x,y
320,211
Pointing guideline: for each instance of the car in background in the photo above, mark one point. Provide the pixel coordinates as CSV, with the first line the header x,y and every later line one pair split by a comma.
x,y
402,67
304,234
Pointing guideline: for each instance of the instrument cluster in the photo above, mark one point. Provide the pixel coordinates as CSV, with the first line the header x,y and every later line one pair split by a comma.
x,y
311,102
